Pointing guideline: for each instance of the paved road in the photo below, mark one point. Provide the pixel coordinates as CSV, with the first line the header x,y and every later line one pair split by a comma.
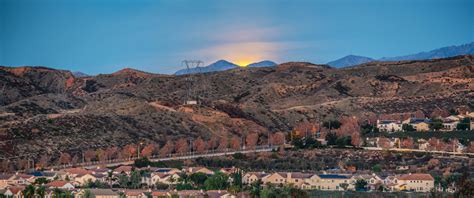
x,y
161,159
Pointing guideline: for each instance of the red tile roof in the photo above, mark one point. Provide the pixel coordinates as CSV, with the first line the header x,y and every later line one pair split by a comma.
x,y
57,184
123,169
78,171
416,176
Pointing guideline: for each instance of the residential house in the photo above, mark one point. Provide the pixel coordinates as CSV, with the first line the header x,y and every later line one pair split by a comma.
x,y
296,179
165,170
191,170
84,178
162,178
135,194
417,182
190,193
389,125
60,184
123,169
219,194
160,194
449,125
329,182
251,177
99,193
278,178
72,173
6,180
14,192
373,180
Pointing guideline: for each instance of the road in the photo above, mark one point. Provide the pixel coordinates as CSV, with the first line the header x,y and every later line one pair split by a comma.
x,y
113,163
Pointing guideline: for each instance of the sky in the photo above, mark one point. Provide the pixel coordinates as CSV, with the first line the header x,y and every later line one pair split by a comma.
x,y
103,36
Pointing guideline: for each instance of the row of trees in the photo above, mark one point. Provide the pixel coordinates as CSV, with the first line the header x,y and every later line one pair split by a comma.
x,y
179,146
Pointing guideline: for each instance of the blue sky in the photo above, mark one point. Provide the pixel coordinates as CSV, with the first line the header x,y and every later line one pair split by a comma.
x,y
103,36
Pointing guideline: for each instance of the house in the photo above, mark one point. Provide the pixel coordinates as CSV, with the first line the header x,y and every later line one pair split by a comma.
x,y
204,170
159,194
123,169
373,180
296,178
84,178
72,173
389,125
135,194
417,182
190,193
98,193
419,124
6,180
329,182
251,177
165,170
219,194
60,184
278,178
162,178
449,125
15,192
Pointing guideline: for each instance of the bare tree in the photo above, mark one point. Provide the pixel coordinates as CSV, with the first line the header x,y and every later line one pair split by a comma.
x,y
147,151
64,158
251,140
182,146
167,149
223,144
89,155
199,145
235,143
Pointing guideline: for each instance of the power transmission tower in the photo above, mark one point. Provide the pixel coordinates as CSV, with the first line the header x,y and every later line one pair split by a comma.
x,y
192,96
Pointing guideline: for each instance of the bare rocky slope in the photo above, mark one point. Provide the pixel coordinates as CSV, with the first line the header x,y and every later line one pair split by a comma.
x,y
47,111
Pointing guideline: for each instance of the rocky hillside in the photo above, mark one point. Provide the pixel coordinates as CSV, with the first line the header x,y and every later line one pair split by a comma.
x,y
47,111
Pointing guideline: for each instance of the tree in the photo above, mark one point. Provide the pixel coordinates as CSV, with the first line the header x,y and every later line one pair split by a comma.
x,y
101,155
40,191
344,185
148,150
142,162
181,146
123,180
355,139
377,168
41,180
87,194
408,127
237,180
213,142
199,145
43,161
332,124
251,140
408,143
218,181
129,151
135,179
235,143
198,178
167,148
64,158
29,191
223,144
89,155
256,188
361,185
383,142
277,138
436,124
464,124
111,152
331,138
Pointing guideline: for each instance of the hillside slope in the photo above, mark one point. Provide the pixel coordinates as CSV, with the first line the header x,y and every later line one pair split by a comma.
x,y
49,111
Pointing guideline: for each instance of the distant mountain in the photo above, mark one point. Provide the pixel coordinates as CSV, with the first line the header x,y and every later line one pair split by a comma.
x,y
223,65
220,65
79,74
444,52
349,61
265,63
